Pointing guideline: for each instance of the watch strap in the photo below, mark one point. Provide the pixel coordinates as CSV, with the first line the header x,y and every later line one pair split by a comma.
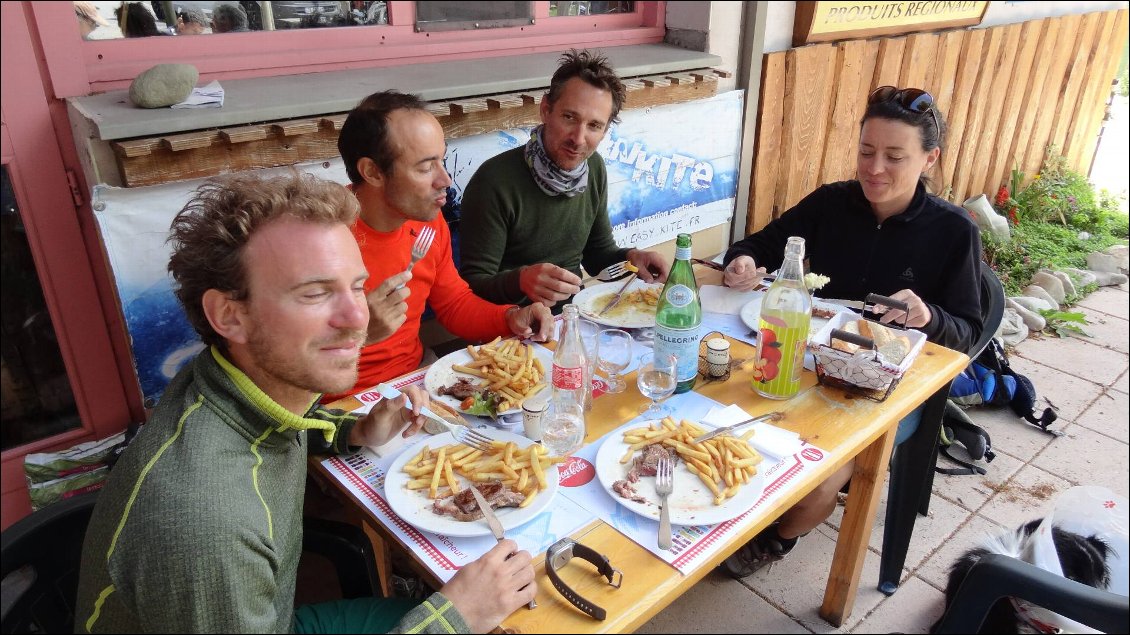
x,y
603,566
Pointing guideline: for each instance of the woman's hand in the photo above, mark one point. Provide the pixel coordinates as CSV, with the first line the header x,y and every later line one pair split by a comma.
x,y
917,314
742,274
389,416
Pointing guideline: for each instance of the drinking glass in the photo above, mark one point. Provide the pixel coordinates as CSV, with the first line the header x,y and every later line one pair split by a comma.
x,y
656,380
563,428
589,331
613,354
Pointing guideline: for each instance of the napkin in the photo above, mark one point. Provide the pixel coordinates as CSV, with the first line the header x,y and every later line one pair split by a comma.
x,y
719,299
210,96
768,439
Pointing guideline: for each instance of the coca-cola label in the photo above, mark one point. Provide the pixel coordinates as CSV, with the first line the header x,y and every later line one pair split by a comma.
x,y
568,378
575,472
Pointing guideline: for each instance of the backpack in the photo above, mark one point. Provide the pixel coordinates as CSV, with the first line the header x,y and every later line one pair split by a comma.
x,y
990,380
959,431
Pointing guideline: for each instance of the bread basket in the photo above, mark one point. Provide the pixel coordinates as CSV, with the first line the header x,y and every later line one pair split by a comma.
x,y
866,371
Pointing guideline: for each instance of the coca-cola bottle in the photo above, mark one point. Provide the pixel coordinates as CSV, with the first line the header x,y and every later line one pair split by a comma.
x,y
563,428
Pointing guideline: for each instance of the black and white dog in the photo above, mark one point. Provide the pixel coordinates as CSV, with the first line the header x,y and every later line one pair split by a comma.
x,y
1083,559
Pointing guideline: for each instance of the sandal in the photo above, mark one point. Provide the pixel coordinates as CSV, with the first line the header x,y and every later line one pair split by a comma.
x,y
764,549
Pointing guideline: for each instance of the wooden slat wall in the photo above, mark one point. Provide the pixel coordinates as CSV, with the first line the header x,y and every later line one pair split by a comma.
x,y
1006,93
154,160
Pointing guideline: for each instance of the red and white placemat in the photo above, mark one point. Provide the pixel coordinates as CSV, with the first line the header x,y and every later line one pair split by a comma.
x,y
691,545
363,474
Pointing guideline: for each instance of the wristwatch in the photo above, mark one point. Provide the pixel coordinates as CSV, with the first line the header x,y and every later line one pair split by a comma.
x,y
561,552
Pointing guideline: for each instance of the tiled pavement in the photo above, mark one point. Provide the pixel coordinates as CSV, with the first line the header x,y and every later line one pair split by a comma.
x,y
1086,380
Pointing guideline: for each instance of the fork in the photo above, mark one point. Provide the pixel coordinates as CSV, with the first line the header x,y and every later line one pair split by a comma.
x,y
614,271
664,483
463,434
420,247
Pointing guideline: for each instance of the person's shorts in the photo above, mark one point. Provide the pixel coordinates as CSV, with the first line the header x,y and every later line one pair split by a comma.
x,y
359,615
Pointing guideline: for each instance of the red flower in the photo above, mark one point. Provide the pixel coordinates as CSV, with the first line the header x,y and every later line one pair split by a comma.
x,y
1013,215
1002,196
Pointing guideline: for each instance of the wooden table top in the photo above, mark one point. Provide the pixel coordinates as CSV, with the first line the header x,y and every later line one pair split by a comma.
x,y
844,425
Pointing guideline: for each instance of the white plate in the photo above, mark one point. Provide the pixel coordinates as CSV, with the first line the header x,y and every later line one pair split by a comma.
x,y
752,311
592,300
691,501
416,508
440,374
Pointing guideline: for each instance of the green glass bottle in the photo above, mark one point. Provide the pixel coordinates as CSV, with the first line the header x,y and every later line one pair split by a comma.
x,y
678,318
783,328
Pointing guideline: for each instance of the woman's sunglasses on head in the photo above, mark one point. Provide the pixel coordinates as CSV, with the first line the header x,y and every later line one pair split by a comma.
x,y
912,99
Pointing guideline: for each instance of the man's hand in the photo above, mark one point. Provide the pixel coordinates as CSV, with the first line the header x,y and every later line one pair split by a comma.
x,y
652,266
388,309
548,283
742,274
917,315
489,589
534,322
389,416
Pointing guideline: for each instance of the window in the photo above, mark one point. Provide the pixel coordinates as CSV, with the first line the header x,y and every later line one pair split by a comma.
x,y
37,401
449,16
381,34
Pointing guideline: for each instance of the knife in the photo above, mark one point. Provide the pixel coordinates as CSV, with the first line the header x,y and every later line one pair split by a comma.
x,y
616,298
772,416
493,522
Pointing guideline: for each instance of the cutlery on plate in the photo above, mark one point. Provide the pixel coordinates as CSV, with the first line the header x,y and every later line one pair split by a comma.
x,y
463,434
708,263
664,484
772,416
614,271
493,523
616,298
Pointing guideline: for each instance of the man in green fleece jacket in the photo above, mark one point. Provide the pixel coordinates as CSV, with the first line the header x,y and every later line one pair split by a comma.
x,y
533,215
199,528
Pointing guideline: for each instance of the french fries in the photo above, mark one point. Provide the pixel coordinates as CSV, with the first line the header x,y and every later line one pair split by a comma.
x,y
437,471
508,367
723,463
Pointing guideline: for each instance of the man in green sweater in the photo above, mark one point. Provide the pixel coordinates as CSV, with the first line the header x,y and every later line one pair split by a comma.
x,y
199,528
533,215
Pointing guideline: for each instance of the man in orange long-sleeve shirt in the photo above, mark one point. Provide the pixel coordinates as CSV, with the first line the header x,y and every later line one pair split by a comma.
x,y
393,150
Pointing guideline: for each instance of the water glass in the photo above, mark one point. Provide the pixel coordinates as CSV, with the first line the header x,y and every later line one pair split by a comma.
x,y
563,428
613,355
656,380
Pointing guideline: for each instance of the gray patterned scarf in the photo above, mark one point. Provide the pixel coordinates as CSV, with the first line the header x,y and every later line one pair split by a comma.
x,y
550,178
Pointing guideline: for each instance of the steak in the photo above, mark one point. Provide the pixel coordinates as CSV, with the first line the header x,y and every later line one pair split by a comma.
x,y
464,508
461,389
625,490
647,461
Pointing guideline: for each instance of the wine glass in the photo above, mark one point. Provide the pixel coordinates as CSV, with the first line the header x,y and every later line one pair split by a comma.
x,y
656,380
563,428
613,354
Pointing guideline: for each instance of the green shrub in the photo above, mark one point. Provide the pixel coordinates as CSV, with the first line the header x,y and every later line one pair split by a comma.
x,y
1048,218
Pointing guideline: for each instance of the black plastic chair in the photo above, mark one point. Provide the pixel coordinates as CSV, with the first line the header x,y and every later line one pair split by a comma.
x,y
996,576
350,551
912,463
44,551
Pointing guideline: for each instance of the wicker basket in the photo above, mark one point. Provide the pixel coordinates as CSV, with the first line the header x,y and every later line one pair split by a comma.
x,y
865,372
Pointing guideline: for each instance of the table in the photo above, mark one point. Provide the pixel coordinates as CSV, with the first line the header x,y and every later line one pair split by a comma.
x,y
848,427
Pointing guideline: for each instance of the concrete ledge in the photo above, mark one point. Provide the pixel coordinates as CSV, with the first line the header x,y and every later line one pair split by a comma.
x,y
292,96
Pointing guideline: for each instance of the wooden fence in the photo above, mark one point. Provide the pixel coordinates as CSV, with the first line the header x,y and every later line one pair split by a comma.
x,y
1006,92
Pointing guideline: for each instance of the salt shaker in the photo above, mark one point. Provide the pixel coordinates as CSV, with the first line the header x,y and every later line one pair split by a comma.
x,y
532,412
718,356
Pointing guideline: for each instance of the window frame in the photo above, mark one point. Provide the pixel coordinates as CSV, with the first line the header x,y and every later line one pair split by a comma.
x,y
112,64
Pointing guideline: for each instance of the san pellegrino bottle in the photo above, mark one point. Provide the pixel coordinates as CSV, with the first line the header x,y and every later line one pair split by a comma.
x,y
678,318
786,312
570,361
